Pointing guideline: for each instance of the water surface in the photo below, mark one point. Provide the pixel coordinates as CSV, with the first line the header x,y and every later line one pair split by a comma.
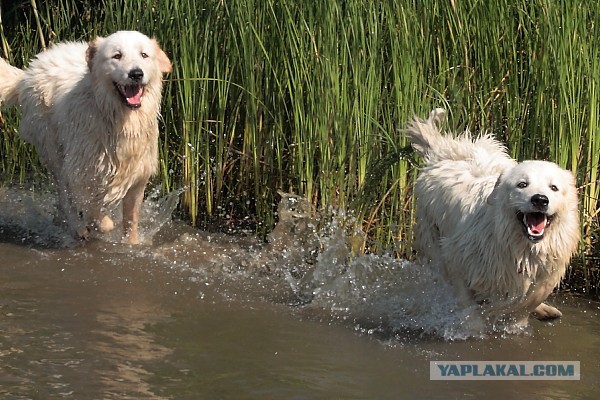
x,y
192,315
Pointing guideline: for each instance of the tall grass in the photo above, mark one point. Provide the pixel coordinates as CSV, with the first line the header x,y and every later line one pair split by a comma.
x,y
311,97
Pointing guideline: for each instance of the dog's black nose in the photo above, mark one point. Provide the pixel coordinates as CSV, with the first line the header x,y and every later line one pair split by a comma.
x,y
136,74
540,201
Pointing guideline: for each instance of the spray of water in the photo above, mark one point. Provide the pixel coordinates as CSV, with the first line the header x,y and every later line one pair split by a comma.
x,y
33,218
28,218
380,293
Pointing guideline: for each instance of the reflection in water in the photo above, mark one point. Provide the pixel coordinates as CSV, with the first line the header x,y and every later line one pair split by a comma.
x,y
125,343
70,327
198,315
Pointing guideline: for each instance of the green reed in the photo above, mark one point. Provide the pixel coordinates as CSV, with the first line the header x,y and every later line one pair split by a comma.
x,y
312,97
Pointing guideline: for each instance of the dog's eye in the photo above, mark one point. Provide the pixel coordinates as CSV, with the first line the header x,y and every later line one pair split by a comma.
x,y
117,56
522,185
554,188
144,55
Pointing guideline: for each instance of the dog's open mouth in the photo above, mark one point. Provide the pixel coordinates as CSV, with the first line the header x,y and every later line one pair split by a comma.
x,y
131,94
534,224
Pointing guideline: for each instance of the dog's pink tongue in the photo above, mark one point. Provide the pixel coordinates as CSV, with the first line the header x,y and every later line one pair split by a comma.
x,y
133,94
536,222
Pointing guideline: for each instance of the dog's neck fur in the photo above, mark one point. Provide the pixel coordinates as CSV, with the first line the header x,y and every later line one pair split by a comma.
x,y
131,152
533,262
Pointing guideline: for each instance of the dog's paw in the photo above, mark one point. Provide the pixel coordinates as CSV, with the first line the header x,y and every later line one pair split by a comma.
x,y
545,312
105,224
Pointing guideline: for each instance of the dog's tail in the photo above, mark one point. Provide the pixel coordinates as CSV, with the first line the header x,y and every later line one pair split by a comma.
x,y
425,135
428,141
10,78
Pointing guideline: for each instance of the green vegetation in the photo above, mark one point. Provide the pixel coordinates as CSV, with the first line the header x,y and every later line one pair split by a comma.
x,y
311,98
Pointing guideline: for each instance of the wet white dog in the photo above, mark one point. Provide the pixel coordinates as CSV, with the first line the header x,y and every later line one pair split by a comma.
x,y
502,232
91,112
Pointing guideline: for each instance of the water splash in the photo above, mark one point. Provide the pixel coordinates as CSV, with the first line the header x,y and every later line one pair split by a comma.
x,y
156,212
379,293
28,218
32,218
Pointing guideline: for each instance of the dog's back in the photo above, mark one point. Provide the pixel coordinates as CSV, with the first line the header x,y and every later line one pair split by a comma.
x,y
428,141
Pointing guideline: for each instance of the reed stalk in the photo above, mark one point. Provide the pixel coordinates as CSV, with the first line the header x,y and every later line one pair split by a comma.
x,y
312,97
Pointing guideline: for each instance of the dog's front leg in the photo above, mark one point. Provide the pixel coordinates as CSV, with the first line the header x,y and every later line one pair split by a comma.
x,y
132,203
70,212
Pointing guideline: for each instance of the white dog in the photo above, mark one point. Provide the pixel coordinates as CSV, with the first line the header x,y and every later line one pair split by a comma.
x,y
502,232
91,112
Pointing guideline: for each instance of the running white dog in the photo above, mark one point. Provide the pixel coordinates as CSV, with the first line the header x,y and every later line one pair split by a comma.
x,y
502,232
91,112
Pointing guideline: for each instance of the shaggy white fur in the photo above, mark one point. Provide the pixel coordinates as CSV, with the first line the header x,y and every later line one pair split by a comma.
x,y
91,112
503,232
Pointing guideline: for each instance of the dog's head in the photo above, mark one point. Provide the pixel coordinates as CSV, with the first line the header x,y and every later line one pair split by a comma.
x,y
537,195
128,62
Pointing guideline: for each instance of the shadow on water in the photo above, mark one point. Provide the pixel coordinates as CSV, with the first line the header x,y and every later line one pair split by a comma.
x,y
191,314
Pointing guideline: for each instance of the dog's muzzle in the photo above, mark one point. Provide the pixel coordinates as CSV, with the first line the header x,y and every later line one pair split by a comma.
x,y
536,222
132,94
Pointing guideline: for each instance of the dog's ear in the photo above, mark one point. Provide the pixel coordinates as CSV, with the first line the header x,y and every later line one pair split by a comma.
x,y
91,51
493,197
164,64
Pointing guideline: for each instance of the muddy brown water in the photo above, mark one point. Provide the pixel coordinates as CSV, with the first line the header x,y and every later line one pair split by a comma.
x,y
191,315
